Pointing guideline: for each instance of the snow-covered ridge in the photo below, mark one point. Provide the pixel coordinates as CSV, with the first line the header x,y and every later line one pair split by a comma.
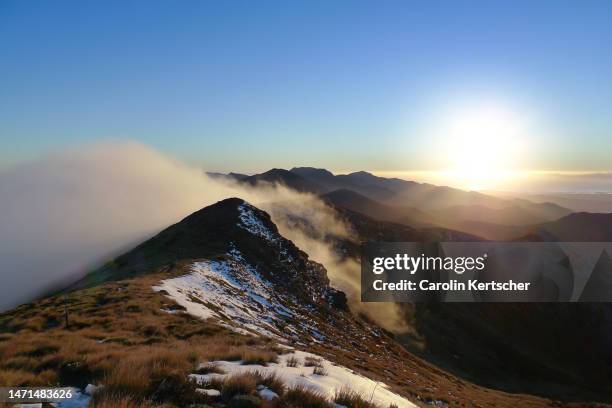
x,y
336,378
250,222
233,292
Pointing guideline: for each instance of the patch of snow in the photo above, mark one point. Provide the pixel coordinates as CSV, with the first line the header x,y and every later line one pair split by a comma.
x,y
211,392
267,393
233,292
250,222
206,378
337,377
79,400
438,403
91,389
170,311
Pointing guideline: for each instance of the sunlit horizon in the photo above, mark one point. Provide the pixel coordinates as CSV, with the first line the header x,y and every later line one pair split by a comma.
x,y
526,181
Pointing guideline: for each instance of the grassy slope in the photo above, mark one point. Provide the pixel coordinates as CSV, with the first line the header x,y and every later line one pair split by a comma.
x,y
119,336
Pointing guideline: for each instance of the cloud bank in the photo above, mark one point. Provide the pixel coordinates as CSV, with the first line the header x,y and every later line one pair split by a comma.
x,y
64,213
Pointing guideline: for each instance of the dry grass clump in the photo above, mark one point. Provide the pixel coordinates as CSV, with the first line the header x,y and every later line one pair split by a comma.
x,y
271,381
235,351
301,397
208,368
351,399
256,356
319,370
312,362
293,361
132,374
246,383
239,384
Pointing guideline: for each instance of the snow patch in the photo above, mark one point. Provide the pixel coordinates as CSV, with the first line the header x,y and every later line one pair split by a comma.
x,y
337,377
250,222
206,378
233,292
91,389
211,392
266,393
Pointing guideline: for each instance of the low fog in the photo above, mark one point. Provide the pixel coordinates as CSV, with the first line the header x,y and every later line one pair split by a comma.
x,y
66,213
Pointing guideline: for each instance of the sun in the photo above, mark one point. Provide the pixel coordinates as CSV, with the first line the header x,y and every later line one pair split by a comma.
x,y
482,144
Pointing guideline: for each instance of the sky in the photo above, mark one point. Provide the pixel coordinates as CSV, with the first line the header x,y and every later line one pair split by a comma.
x,y
246,86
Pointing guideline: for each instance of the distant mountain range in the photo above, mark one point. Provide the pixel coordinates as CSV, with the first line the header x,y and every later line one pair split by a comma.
x,y
354,201
422,205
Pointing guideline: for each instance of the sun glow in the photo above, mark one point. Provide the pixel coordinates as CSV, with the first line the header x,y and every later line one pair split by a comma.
x,y
481,145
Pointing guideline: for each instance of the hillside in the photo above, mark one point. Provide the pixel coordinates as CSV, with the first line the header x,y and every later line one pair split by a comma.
x,y
356,202
286,178
503,346
507,216
579,227
162,323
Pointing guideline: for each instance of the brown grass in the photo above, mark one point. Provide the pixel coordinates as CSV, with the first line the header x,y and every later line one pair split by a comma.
x,y
239,384
118,336
312,362
301,397
118,322
351,399
272,381
319,370
22,378
209,368
261,357
293,361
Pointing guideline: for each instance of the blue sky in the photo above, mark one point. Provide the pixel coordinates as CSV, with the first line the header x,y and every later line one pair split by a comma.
x,y
346,85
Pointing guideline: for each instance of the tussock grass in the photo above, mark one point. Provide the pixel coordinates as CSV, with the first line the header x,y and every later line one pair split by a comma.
x,y
319,370
261,357
301,397
293,361
239,384
312,362
271,381
351,399
209,368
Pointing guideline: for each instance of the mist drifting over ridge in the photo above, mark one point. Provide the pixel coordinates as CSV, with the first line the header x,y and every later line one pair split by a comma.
x,y
65,213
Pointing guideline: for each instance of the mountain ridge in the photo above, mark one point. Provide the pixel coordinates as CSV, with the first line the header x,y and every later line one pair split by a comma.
x,y
354,201
214,232
445,206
